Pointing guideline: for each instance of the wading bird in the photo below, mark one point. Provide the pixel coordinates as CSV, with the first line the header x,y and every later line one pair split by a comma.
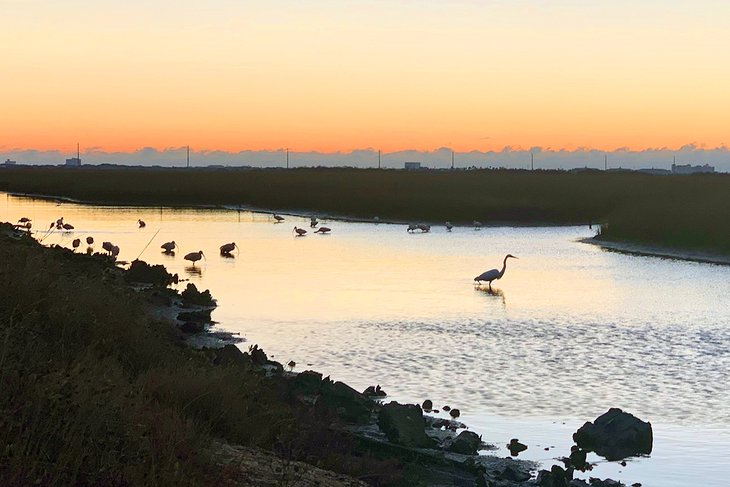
x,y
194,256
313,222
291,365
68,227
25,219
168,246
90,240
108,246
493,274
141,224
114,251
76,243
449,226
323,230
477,224
300,231
424,227
278,218
226,249
412,227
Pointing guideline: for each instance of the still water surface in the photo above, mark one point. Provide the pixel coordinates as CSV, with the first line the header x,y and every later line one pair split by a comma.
x,y
572,330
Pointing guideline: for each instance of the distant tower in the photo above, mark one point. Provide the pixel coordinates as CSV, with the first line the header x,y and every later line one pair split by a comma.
x,y
605,162
287,158
78,153
378,158
187,156
532,161
452,159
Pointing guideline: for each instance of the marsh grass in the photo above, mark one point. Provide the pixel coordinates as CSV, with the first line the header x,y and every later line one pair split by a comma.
x,y
679,211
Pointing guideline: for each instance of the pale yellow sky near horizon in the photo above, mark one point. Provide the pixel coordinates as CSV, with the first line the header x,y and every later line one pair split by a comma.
x,y
339,75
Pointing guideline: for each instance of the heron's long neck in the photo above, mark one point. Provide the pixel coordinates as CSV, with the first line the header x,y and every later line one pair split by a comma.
x,y
504,267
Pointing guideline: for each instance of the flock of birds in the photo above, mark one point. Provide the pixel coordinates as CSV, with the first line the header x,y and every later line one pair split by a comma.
x,y
227,249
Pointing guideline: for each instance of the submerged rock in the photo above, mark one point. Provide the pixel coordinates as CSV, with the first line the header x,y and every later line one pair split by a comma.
x,y
427,405
515,447
555,477
404,424
616,435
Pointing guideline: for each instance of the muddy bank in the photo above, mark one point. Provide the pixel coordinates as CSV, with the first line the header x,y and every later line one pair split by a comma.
x,y
658,251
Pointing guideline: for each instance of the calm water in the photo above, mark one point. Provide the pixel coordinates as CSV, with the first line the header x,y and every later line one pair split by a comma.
x,y
572,331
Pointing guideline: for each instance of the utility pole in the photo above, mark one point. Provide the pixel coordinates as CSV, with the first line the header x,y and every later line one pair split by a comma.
x,y
287,158
452,160
378,158
605,162
78,153
532,161
187,151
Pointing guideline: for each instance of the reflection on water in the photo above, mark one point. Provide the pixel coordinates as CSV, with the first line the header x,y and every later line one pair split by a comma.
x,y
584,329
491,292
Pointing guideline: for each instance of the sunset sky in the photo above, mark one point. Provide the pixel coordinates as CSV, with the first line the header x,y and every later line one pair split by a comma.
x,y
330,75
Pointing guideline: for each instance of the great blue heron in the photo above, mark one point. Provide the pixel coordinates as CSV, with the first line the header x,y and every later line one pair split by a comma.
x,y
226,249
493,274
300,231
194,256
168,246
323,230
141,224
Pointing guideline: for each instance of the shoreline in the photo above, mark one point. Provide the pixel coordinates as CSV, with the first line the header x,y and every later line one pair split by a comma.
x,y
298,213
658,251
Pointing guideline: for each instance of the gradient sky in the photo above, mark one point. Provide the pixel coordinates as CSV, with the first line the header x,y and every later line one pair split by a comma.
x,y
331,75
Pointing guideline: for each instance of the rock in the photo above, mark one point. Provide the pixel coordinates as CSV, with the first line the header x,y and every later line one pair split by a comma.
x,y
578,458
466,443
229,355
513,473
191,295
515,447
615,435
556,477
427,405
455,413
404,424
374,391
594,482
157,275
258,356
446,408
307,382
349,404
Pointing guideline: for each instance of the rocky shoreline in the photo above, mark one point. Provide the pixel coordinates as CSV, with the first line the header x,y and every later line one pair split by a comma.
x,y
390,443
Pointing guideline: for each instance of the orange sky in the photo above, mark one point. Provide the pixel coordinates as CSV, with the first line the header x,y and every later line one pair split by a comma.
x,y
338,75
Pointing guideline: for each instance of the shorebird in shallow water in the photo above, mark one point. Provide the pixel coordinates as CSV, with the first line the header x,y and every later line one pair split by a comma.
x,y
449,226
323,230
300,231
226,249
493,274
278,218
168,246
194,256
141,224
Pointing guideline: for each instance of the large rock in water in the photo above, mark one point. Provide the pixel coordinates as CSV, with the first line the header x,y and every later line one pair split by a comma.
x,y
616,435
404,424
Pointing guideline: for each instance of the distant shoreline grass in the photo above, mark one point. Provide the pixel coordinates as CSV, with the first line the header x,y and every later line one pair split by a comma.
x,y
681,212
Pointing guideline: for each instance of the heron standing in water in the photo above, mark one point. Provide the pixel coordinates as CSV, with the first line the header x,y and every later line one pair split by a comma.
x,y
494,274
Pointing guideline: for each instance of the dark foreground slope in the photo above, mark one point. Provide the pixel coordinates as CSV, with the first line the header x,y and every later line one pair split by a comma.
x,y
674,211
94,392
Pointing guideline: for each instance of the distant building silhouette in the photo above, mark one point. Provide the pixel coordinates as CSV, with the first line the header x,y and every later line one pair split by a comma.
x,y
73,162
412,166
690,169
8,162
